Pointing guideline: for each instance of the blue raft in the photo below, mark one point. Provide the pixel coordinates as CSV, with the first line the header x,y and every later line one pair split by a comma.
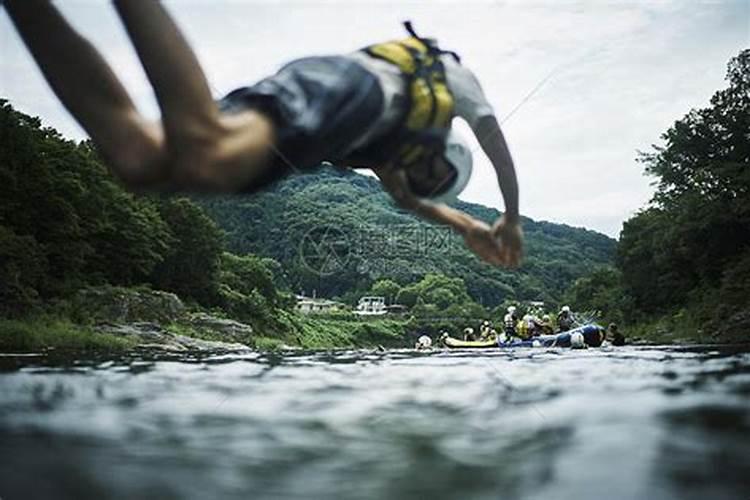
x,y
591,336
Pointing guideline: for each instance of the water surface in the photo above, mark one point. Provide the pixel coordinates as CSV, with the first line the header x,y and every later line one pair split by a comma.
x,y
631,423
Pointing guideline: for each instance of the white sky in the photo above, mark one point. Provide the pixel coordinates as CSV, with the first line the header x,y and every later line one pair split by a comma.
x,y
617,75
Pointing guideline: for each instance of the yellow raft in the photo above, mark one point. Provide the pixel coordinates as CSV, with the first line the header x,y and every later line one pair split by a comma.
x,y
459,344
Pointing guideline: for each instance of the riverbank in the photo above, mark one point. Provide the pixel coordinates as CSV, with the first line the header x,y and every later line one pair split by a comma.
x,y
201,331
45,333
685,327
113,319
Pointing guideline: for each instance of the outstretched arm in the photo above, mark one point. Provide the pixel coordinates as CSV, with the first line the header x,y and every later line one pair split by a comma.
x,y
479,237
493,143
508,227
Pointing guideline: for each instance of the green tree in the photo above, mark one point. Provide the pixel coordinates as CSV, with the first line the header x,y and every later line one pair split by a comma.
x,y
435,290
191,266
386,288
23,270
248,273
601,291
84,227
681,249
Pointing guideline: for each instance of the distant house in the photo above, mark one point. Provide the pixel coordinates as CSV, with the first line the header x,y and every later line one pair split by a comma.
x,y
371,306
312,305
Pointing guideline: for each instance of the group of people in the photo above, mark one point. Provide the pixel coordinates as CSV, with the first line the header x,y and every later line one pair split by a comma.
x,y
484,332
532,325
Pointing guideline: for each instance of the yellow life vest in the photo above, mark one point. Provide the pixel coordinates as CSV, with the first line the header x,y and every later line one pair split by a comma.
x,y
430,109
522,329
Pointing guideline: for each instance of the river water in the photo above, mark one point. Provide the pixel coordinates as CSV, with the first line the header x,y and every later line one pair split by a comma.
x,y
631,423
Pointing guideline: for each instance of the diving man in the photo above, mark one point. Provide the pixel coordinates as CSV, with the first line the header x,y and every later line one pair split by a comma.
x,y
387,107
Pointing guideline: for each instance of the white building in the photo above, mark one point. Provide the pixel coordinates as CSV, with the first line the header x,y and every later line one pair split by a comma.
x,y
308,305
371,306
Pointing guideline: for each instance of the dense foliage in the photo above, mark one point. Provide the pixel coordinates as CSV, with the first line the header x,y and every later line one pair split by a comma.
x,y
65,223
692,244
190,266
601,292
687,254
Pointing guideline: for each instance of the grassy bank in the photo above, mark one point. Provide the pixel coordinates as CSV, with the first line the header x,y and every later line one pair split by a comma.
x,y
289,329
333,331
38,334
323,333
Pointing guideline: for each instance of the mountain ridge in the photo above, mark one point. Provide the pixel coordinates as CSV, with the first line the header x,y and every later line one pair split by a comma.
x,y
382,241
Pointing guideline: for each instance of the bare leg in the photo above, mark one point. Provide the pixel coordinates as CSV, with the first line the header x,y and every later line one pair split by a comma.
x,y
208,151
198,148
187,106
91,92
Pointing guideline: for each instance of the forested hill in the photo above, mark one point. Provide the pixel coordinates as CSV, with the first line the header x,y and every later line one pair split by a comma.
x,y
336,231
65,223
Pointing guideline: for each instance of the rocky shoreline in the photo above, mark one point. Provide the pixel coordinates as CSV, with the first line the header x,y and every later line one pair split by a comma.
x,y
153,319
147,335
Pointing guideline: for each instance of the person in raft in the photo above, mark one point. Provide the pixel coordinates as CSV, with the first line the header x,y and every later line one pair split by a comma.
x,y
387,107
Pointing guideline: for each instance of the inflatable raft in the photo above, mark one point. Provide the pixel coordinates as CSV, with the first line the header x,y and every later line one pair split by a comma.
x,y
468,344
592,336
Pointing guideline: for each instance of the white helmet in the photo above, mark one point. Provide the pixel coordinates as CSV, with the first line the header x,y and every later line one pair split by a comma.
x,y
458,154
424,341
577,341
566,309
511,309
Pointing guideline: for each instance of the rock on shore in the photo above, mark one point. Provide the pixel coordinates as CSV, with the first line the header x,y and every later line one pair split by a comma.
x,y
229,328
153,336
124,305
144,315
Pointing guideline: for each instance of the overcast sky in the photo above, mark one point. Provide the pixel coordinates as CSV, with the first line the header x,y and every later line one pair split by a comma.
x,y
614,76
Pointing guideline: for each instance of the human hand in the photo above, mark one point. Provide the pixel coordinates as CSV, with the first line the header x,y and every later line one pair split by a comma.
x,y
510,235
480,240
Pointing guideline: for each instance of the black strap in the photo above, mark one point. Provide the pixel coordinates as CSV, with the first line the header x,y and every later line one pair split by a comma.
x,y
431,46
410,28
452,54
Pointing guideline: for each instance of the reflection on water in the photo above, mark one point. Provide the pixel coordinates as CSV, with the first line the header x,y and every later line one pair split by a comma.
x,y
635,422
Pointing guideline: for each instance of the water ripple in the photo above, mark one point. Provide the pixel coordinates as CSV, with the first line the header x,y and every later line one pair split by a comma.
x,y
635,422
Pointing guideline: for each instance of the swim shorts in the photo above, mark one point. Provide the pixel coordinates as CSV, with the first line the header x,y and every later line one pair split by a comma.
x,y
320,106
